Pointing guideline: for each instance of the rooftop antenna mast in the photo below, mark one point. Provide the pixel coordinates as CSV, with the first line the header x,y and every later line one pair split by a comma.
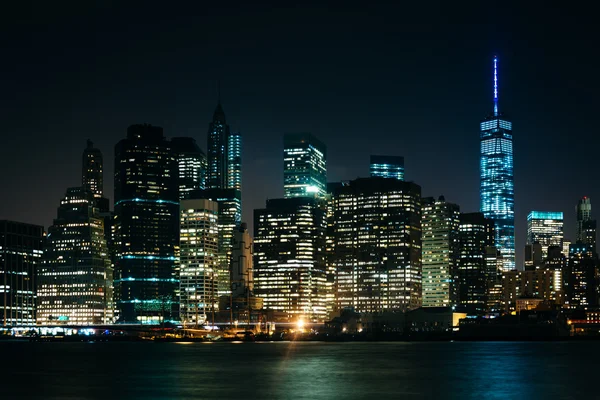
x,y
496,86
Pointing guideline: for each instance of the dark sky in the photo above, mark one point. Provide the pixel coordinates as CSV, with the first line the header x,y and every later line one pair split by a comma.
x,y
369,78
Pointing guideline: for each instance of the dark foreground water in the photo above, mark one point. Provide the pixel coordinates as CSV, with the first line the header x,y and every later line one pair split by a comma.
x,y
153,371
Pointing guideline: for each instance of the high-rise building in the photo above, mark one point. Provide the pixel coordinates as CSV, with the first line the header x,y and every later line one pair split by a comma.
x,y
545,228
224,154
289,258
497,178
387,167
242,279
582,277
304,166
377,245
586,226
146,226
230,215
477,269
21,249
191,165
75,281
92,175
199,250
440,252
533,255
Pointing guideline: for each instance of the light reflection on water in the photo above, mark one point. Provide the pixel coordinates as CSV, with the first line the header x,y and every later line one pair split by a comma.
x,y
161,371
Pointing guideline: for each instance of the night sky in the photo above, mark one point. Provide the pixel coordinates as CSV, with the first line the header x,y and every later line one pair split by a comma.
x,y
366,79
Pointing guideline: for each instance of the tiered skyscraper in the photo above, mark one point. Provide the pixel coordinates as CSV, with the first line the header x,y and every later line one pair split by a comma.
x,y
146,227
304,166
497,178
586,226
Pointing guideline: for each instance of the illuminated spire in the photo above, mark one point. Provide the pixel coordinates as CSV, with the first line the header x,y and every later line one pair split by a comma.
x,y
495,85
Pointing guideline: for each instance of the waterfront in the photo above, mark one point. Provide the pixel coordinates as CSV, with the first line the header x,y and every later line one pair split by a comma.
x,y
299,370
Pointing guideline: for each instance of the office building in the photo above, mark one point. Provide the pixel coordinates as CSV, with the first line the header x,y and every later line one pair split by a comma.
x,y
440,252
582,277
477,267
230,215
191,165
199,250
304,166
545,228
21,250
497,178
224,154
92,175
377,245
586,226
146,225
75,281
387,167
533,255
289,258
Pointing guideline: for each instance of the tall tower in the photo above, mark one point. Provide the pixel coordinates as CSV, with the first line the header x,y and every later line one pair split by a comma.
x,y
545,228
91,170
218,134
191,165
304,166
497,178
146,226
586,226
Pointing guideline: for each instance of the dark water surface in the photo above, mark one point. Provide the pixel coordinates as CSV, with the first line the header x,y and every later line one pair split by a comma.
x,y
153,371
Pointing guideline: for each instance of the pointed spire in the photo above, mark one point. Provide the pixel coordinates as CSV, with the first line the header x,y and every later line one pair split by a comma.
x,y
495,85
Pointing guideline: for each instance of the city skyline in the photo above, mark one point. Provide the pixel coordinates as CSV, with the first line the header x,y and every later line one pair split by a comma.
x,y
544,116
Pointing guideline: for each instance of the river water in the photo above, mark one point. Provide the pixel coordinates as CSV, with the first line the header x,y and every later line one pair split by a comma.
x,y
300,370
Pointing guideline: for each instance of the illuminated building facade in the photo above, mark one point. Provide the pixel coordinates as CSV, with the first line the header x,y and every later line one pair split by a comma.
x,y
440,251
377,245
21,250
586,226
75,281
199,250
304,166
191,165
497,178
477,267
146,226
230,215
92,175
387,167
545,228
582,277
224,154
289,258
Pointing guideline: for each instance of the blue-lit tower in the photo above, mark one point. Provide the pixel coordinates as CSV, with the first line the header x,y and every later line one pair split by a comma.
x,y
497,178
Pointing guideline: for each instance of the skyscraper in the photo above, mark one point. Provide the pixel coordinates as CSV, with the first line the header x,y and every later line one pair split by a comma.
x,y
586,226
545,228
440,252
191,165
146,227
387,167
21,249
304,166
377,245
92,175
230,212
199,249
582,277
224,154
497,179
75,282
289,258
477,269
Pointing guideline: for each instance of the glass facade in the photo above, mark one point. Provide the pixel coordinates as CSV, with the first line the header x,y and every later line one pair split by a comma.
x,y
234,161
146,227
191,165
545,228
439,224
497,179
224,154
387,167
304,166
289,258
377,245
21,250
91,170
75,281
199,250
586,226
